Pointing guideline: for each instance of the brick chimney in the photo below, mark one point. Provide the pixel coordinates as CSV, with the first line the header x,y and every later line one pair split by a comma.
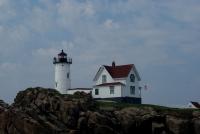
x,y
113,64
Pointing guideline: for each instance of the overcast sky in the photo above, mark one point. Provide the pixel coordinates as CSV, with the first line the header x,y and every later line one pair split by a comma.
x,y
162,39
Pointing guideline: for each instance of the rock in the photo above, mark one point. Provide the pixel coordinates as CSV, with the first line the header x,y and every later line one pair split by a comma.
x,y
82,123
41,101
41,111
102,129
135,120
3,104
196,123
96,117
158,128
196,114
102,122
178,125
74,132
16,121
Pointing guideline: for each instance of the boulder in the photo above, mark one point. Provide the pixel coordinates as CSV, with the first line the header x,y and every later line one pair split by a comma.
x,y
158,128
135,120
97,121
177,125
41,111
196,123
3,105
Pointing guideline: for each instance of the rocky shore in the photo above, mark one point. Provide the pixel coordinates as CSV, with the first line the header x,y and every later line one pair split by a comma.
x,y
45,111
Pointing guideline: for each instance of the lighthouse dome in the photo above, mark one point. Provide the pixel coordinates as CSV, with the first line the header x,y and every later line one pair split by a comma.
x,y
62,53
62,58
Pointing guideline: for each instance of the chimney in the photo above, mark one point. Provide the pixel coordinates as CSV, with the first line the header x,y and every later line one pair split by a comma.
x,y
113,64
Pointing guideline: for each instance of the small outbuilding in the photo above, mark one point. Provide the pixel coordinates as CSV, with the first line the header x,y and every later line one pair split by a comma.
x,y
193,104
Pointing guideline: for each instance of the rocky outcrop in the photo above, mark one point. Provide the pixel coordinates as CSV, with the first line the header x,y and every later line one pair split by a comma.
x,y
45,111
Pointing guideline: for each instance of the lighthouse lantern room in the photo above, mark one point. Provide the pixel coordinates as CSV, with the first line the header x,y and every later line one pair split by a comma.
x,y
62,72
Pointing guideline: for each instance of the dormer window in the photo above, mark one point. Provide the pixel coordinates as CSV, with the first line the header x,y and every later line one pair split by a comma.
x,y
104,79
132,78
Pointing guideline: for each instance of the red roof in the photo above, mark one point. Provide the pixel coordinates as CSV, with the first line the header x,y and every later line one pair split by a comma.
x,y
119,71
196,104
111,84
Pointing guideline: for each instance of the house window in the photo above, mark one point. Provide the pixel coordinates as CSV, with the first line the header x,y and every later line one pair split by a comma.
x,y
67,75
140,92
132,78
132,89
96,91
56,84
112,89
104,79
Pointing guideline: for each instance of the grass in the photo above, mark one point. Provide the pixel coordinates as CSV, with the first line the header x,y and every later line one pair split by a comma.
x,y
111,106
121,105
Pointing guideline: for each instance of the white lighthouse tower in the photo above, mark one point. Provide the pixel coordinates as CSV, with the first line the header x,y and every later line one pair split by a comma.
x,y
62,72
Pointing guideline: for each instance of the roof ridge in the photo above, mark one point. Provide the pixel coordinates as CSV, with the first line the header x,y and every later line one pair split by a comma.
x,y
118,65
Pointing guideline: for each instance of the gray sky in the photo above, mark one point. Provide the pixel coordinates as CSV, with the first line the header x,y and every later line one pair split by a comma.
x,y
160,37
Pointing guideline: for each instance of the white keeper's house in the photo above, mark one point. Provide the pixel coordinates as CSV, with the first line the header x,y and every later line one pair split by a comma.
x,y
118,83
